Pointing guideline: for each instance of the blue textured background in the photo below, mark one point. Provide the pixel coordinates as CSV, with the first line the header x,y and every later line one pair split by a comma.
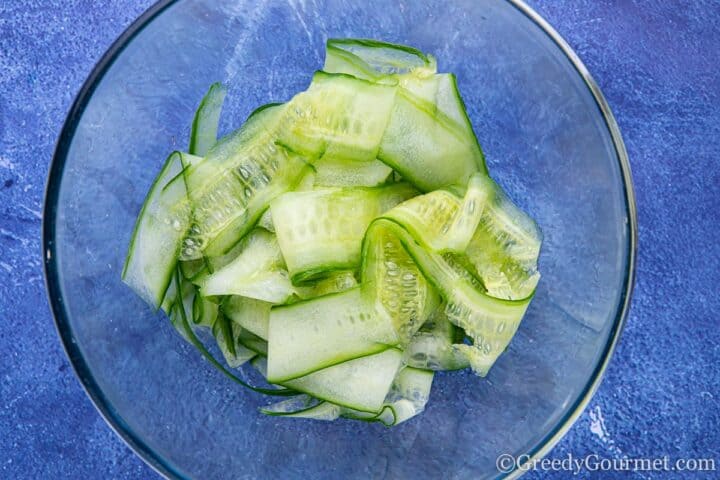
x,y
658,64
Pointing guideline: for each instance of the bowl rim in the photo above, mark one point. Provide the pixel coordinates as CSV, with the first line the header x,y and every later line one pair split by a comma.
x,y
82,370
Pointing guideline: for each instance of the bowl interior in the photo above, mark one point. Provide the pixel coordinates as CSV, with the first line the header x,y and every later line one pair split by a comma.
x,y
546,140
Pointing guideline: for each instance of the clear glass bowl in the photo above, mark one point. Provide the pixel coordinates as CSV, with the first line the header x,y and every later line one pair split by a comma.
x,y
550,141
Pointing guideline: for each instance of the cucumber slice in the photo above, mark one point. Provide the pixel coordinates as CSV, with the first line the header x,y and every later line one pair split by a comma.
x,y
252,315
361,384
266,221
505,246
408,396
450,103
490,322
251,341
322,230
440,220
303,406
191,269
427,151
410,69
331,172
203,134
432,347
339,116
158,233
233,185
379,58
391,277
335,282
311,335
235,354
204,311
257,272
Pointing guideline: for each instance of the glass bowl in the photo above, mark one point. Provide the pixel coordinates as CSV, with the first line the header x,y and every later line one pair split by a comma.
x,y
550,140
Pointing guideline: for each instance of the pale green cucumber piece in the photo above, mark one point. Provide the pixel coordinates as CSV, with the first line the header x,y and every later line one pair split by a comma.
x,y
416,77
334,282
311,335
251,341
204,311
427,151
191,269
505,246
303,406
380,58
158,233
331,172
233,185
440,220
467,219
235,354
390,276
339,116
257,272
252,315
450,103
361,384
203,134
408,396
431,348
338,60
490,322
322,230
266,221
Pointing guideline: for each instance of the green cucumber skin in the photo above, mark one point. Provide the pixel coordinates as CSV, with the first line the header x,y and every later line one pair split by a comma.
x,y
205,122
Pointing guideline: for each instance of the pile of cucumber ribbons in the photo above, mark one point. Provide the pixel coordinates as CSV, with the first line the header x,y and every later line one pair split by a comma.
x,y
347,244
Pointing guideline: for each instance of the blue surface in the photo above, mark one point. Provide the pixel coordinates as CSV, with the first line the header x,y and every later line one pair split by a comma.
x,y
656,64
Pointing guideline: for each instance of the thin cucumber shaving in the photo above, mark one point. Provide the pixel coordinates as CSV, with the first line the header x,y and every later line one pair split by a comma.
x,y
346,244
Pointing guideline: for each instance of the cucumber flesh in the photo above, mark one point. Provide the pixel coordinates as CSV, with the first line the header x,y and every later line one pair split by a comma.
x,y
450,104
159,230
505,246
426,151
379,58
251,341
266,221
408,396
321,231
235,353
339,116
204,311
189,334
440,220
257,272
432,347
233,185
334,282
311,335
393,279
490,322
347,173
361,384
252,315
